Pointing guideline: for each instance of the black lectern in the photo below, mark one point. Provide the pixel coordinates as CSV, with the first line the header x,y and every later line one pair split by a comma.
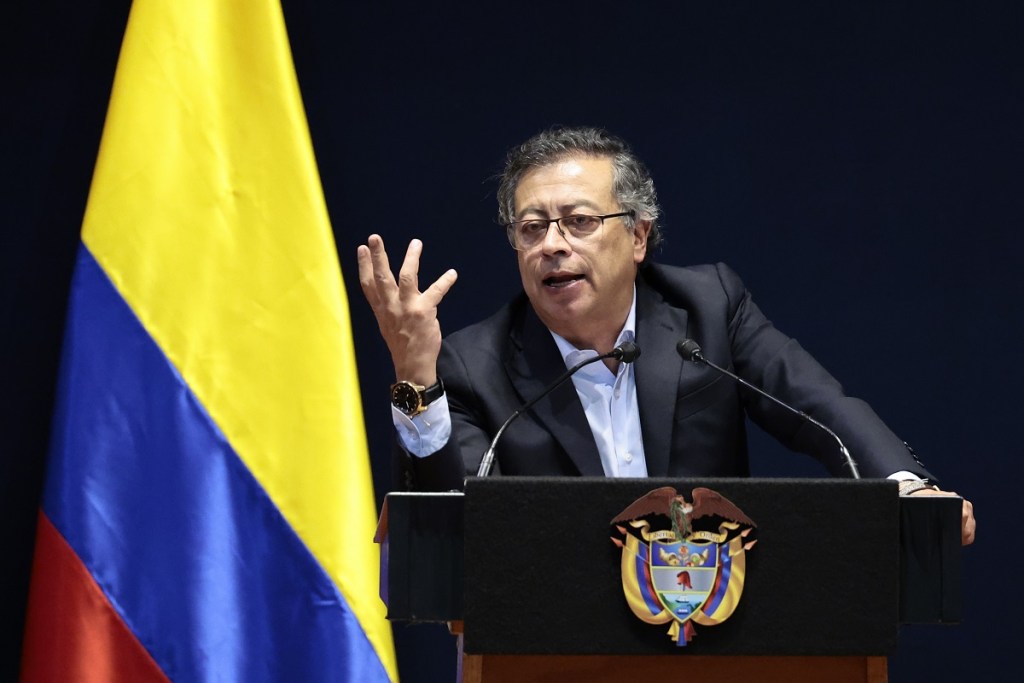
x,y
527,572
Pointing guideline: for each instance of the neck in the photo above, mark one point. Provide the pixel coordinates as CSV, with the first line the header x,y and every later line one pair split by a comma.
x,y
602,343
612,365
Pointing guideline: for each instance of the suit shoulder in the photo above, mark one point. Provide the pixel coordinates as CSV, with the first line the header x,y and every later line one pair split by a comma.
x,y
684,284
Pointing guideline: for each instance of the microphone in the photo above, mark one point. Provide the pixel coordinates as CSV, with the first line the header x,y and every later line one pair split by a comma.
x,y
690,350
627,352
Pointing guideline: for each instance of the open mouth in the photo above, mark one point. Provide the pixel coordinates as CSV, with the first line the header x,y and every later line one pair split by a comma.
x,y
562,280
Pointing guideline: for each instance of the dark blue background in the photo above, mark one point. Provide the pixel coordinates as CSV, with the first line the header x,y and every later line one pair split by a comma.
x,y
859,164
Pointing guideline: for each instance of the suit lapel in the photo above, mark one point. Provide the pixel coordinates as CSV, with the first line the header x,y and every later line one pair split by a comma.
x,y
658,328
534,363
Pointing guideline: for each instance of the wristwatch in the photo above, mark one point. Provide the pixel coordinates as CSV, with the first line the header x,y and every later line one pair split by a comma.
x,y
908,486
413,399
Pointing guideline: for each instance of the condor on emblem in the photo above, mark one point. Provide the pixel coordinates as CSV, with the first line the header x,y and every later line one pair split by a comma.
x,y
690,572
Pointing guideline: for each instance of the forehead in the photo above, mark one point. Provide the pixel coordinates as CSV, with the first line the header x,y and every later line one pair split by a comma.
x,y
570,181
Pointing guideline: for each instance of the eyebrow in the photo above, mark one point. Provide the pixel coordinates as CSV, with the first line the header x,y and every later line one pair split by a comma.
x,y
564,209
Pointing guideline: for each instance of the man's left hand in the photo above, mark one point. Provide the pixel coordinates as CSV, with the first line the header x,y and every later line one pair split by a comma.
x,y
966,514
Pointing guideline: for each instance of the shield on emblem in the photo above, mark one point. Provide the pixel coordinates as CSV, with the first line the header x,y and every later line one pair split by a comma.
x,y
683,574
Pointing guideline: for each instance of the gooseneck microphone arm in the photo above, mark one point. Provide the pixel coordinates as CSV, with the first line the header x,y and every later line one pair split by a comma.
x,y
627,352
690,351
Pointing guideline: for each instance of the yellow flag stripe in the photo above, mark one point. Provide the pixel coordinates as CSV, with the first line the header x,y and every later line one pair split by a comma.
x,y
206,212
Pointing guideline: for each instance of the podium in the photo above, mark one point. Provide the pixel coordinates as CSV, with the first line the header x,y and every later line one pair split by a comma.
x,y
525,571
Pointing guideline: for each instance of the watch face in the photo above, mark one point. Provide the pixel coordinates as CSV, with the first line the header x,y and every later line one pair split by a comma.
x,y
405,398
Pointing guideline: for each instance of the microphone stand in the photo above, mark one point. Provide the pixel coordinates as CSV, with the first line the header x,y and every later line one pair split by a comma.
x,y
627,352
690,351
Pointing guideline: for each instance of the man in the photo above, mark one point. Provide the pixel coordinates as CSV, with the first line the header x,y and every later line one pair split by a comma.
x,y
581,213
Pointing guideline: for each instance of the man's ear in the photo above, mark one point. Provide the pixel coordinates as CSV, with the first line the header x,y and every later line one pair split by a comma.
x,y
641,231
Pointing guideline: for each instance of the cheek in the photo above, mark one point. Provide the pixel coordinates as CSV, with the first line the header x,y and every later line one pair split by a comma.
x,y
619,270
524,268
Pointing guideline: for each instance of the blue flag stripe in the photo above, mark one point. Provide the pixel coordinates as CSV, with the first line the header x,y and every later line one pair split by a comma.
x,y
183,540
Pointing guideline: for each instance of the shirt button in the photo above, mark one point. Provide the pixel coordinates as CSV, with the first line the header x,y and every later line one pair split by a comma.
x,y
628,457
617,392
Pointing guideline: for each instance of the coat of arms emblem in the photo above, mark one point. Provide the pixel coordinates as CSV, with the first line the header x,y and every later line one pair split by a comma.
x,y
690,572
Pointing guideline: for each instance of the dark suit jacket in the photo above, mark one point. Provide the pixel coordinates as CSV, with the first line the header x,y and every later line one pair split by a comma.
x,y
692,418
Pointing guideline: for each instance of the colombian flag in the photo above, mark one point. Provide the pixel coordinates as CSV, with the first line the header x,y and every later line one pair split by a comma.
x,y
208,512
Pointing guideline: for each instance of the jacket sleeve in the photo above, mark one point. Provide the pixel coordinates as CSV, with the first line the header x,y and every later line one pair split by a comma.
x,y
778,364
447,468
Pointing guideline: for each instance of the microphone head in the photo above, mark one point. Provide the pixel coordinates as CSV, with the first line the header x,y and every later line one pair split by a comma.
x,y
690,350
627,352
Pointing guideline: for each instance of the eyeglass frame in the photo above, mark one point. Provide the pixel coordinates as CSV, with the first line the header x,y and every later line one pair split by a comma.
x,y
510,227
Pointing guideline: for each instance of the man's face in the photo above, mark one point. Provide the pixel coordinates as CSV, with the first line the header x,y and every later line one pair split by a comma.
x,y
580,290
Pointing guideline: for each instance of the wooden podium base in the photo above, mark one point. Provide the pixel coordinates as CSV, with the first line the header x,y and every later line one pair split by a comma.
x,y
609,669
707,669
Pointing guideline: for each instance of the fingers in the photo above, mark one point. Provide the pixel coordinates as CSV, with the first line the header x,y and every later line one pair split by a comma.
x,y
408,275
374,271
435,292
967,523
408,278
379,285
366,275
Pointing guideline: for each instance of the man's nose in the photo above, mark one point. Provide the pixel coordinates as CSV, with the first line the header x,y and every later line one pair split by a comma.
x,y
555,240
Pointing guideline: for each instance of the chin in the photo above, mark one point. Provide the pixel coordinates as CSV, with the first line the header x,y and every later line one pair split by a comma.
x,y
567,321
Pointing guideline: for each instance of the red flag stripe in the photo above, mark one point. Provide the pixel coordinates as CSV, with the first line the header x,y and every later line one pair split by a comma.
x,y
73,632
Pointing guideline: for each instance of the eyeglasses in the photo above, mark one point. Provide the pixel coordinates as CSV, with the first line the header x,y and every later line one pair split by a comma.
x,y
577,227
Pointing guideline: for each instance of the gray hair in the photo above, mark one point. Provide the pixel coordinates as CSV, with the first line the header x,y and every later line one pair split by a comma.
x,y
631,182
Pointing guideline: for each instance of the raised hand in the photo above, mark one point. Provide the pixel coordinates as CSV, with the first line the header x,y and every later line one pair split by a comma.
x,y
406,316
